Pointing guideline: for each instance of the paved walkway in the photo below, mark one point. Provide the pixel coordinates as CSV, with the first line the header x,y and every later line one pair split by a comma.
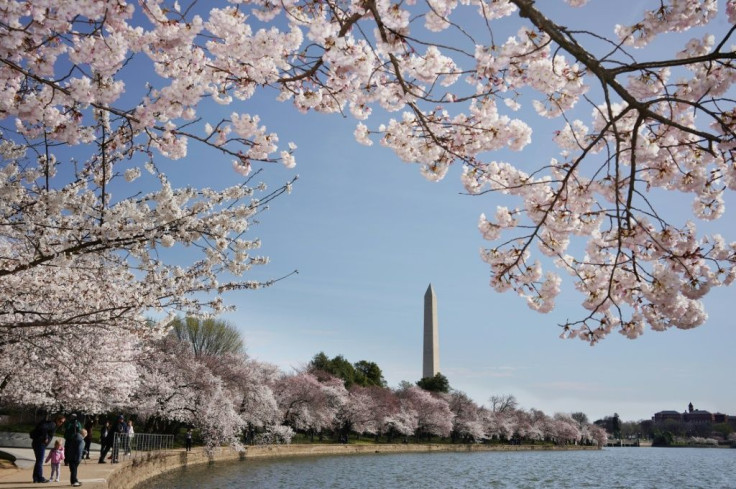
x,y
91,474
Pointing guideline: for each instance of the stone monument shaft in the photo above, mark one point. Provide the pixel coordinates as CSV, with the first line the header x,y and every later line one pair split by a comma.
x,y
431,364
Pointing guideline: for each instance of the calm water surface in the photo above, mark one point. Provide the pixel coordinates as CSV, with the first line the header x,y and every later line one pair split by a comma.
x,y
612,468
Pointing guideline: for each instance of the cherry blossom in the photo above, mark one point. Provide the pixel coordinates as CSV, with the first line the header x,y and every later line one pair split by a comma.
x,y
226,396
75,146
86,143
308,405
433,415
358,414
565,429
467,419
221,396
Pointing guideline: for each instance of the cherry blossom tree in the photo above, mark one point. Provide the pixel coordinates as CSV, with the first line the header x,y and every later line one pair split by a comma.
x,y
500,425
88,212
308,405
467,421
593,435
536,425
45,372
404,420
224,396
250,387
221,395
258,406
167,387
655,123
433,415
660,122
359,412
386,409
89,208
565,429
512,423
523,426
176,386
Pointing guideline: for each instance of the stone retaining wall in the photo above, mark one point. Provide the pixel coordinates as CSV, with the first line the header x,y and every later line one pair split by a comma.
x,y
140,470
130,475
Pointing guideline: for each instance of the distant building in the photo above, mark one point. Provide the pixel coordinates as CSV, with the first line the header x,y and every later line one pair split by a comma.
x,y
663,416
721,418
695,416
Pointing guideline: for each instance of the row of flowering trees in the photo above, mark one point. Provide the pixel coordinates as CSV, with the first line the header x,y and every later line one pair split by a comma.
x,y
199,375
226,396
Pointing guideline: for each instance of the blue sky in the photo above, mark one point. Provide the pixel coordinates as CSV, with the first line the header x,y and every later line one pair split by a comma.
x,y
368,234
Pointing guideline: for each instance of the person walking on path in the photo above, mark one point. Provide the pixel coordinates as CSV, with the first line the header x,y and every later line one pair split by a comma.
x,y
41,435
71,429
88,425
74,451
105,443
56,456
188,438
117,436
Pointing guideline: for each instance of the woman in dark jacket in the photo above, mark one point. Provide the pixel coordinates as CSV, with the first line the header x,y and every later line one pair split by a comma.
x,y
74,450
42,435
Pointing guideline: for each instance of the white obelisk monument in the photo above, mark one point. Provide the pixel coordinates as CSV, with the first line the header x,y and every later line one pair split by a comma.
x,y
431,366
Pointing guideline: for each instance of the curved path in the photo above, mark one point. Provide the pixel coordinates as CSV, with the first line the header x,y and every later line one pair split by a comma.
x,y
17,447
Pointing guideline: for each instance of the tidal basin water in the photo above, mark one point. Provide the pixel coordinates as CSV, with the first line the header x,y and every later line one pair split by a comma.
x,y
612,468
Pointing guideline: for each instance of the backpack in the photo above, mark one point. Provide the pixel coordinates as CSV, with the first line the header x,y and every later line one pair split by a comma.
x,y
36,432
72,428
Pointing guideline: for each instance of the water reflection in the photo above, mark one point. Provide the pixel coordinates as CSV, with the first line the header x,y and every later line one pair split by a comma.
x,y
613,468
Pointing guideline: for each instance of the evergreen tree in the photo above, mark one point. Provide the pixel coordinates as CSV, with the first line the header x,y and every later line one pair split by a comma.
x,y
438,383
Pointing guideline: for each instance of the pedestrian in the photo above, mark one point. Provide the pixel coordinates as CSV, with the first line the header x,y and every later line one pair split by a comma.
x,y
188,439
56,456
105,444
74,451
88,425
117,436
71,429
129,438
41,435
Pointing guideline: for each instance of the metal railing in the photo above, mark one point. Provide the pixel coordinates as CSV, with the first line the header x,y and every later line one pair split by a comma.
x,y
139,445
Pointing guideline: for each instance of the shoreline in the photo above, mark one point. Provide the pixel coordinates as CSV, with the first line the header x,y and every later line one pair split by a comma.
x,y
132,476
131,473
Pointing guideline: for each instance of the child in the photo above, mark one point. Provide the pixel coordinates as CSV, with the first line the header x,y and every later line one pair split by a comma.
x,y
56,455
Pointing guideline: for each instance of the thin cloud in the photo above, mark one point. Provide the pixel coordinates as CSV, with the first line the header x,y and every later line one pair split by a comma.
x,y
492,372
571,386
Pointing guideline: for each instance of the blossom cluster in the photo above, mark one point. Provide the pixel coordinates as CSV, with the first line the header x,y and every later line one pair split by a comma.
x,y
87,212
653,126
86,200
